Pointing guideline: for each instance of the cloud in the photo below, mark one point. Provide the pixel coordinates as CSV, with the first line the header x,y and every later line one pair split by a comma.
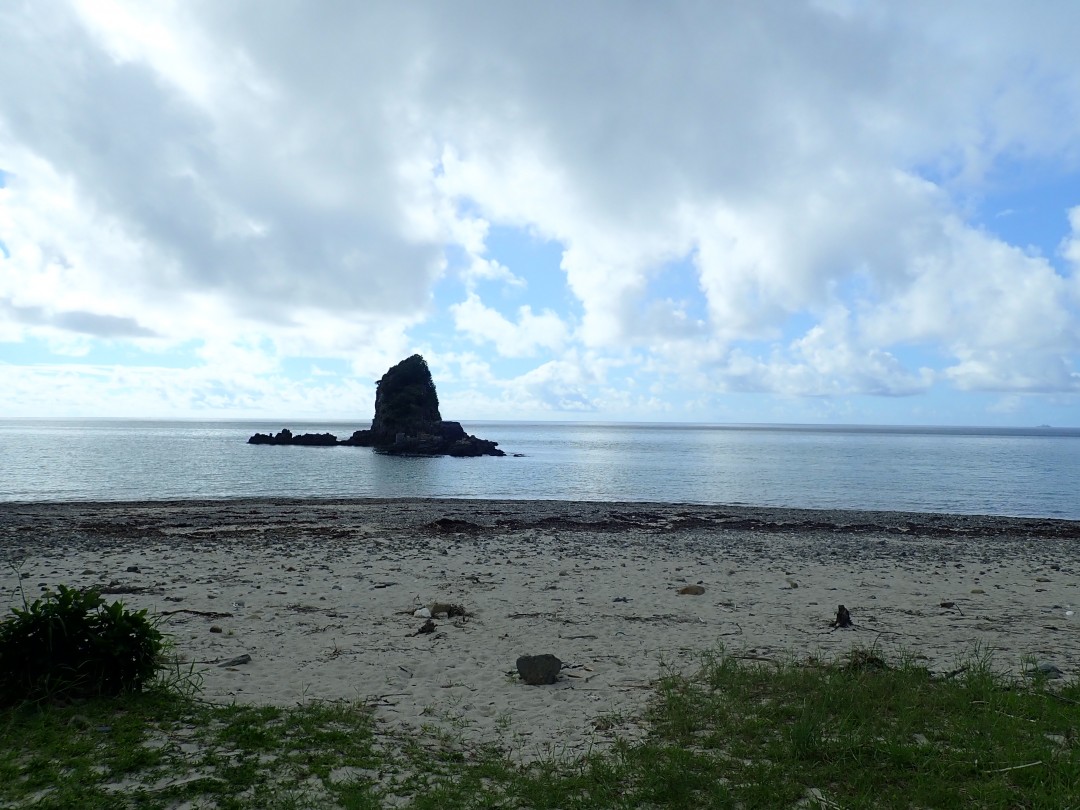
x,y
522,338
287,180
558,385
1070,248
222,180
207,391
86,323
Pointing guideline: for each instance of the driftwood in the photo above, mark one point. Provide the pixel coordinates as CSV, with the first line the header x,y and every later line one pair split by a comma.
x,y
427,627
210,614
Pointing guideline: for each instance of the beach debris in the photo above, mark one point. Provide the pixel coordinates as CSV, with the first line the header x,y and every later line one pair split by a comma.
x,y
816,798
134,569
422,613
952,673
950,605
210,614
792,584
447,610
446,525
865,661
116,588
539,670
1044,669
216,629
691,590
380,585
621,599
843,618
237,661
427,627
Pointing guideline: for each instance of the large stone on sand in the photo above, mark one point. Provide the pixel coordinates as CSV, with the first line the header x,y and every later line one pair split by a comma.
x,y
538,670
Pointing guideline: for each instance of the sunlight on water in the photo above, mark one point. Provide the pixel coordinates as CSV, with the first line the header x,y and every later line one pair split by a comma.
x,y
1005,472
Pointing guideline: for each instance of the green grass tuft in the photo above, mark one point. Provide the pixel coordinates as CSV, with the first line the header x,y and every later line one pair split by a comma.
x,y
860,732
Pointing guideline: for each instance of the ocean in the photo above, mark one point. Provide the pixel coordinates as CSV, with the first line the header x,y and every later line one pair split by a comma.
x,y
1019,472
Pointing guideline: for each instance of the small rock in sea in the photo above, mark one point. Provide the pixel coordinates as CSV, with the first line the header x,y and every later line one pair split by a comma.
x,y
237,661
216,629
691,590
422,613
538,670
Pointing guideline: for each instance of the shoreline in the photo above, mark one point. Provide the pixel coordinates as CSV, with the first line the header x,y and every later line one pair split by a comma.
x,y
321,594
865,520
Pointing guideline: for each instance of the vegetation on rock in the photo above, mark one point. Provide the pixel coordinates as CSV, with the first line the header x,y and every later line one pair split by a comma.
x,y
405,401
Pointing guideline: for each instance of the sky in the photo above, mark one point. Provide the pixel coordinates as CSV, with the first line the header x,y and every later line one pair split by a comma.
x,y
784,211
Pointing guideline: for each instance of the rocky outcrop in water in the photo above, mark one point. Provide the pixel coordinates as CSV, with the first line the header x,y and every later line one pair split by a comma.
x,y
286,436
407,421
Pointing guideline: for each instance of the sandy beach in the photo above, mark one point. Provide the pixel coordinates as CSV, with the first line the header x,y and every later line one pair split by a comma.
x,y
321,594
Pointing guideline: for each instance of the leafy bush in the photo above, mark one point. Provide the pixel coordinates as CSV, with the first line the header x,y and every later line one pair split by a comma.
x,y
72,644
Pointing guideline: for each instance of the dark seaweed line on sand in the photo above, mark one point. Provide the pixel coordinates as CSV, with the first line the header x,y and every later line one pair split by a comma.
x,y
491,517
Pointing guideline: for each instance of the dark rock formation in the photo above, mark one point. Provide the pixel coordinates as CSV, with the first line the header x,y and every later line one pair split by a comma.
x,y
286,436
537,670
407,421
843,618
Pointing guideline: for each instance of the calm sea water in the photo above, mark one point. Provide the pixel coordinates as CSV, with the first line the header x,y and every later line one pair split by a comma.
x,y
1034,472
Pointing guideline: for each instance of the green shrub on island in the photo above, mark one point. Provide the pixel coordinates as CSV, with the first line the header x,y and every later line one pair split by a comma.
x,y
71,644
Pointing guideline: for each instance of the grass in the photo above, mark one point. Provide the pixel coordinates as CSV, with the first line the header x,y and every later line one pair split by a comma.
x,y
853,733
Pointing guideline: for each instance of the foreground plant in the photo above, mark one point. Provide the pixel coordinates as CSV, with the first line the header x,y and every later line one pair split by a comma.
x,y
72,644
860,732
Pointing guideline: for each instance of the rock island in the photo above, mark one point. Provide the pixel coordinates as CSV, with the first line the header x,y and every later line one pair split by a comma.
x,y
407,421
